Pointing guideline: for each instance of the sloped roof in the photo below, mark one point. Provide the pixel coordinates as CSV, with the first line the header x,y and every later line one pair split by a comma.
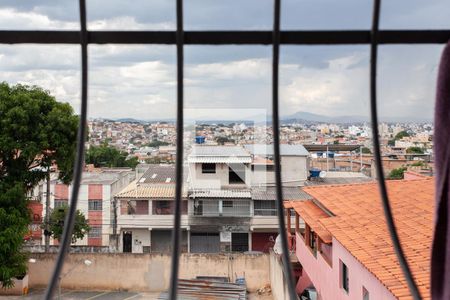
x,y
159,174
311,214
289,193
285,150
359,225
219,154
145,191
221,194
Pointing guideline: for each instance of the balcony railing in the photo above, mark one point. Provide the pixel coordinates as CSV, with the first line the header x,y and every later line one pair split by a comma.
x,y
222,208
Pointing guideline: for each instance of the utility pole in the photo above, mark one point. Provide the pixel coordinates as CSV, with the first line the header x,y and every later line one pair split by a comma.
x,y
47,214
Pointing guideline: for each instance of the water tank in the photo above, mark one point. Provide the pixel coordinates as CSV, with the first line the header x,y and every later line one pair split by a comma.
x,y
199,139
314,173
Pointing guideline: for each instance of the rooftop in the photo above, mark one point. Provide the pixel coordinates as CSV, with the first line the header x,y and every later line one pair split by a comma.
x,y
332,147
289,193
219,154
159,174
285,150
333,177
146,191
359,225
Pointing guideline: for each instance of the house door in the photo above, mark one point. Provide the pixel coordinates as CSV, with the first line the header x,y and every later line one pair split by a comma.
x,y
127,238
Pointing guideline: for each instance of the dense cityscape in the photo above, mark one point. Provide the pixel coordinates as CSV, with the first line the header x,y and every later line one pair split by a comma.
x,y
224,150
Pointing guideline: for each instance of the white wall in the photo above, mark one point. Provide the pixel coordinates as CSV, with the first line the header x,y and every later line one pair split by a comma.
x,y
213,181
140,238
294,169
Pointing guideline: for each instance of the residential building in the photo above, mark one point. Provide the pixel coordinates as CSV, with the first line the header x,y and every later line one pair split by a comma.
x,y
144,211
95,197
294,159
345,249
220,207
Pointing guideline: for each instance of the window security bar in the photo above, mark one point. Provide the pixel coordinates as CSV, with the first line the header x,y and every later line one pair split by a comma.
x,y
276,37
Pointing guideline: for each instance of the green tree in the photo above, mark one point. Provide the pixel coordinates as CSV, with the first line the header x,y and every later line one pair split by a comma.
x,y
108,156
221,140
397,173
401,135
416,150
14,221
366,150
36,133
57,217
157,143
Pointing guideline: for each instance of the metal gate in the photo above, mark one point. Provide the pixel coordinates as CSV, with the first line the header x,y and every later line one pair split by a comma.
x,y
205,242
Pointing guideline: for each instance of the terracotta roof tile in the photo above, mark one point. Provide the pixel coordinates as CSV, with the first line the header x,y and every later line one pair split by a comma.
x,y
311,214
359,225
135,190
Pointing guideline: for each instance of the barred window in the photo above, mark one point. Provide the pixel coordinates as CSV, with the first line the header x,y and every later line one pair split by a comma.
x,y
95,205
95,232
265,208
61,202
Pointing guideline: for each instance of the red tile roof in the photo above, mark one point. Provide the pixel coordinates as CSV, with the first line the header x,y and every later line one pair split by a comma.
x,y
311,214
359,225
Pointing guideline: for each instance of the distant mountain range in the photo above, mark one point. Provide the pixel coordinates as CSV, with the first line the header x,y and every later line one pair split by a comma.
x,y
301,117
298,117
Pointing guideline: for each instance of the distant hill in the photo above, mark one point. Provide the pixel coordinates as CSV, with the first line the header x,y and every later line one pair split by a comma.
x,y
311,117
301,116
129,120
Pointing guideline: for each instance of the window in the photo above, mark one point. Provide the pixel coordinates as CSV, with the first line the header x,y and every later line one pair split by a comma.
x,y
162,207
236,174
61,203
312,242
95,205
208,168
265,208
344,276
95,232
365,293
227,204
137,207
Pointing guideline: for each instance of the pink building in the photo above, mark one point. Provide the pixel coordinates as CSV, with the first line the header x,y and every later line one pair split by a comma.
x,y
345,249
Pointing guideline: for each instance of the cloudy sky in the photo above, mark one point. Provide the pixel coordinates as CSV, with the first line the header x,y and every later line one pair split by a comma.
x,y
140,81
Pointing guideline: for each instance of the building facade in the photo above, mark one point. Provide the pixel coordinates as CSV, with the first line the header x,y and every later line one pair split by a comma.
x,y
95,201
345,249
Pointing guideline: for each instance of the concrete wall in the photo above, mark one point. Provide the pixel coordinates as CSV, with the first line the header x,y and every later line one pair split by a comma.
x,y
294,169
277,282
216,180
147,272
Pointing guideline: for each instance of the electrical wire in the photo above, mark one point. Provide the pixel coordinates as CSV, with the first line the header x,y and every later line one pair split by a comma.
x,y
79,161
377,153
276,150
179,158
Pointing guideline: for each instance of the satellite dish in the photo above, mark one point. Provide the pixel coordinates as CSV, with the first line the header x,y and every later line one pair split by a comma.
x,y
322,174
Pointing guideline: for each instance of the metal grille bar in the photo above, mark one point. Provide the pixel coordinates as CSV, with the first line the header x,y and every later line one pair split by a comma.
x,y
79,161
377,154
303,37
176,232
83,37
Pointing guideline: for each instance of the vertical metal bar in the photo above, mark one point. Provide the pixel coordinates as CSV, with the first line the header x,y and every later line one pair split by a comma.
x,y
176,233
377,154
276,150
66,238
